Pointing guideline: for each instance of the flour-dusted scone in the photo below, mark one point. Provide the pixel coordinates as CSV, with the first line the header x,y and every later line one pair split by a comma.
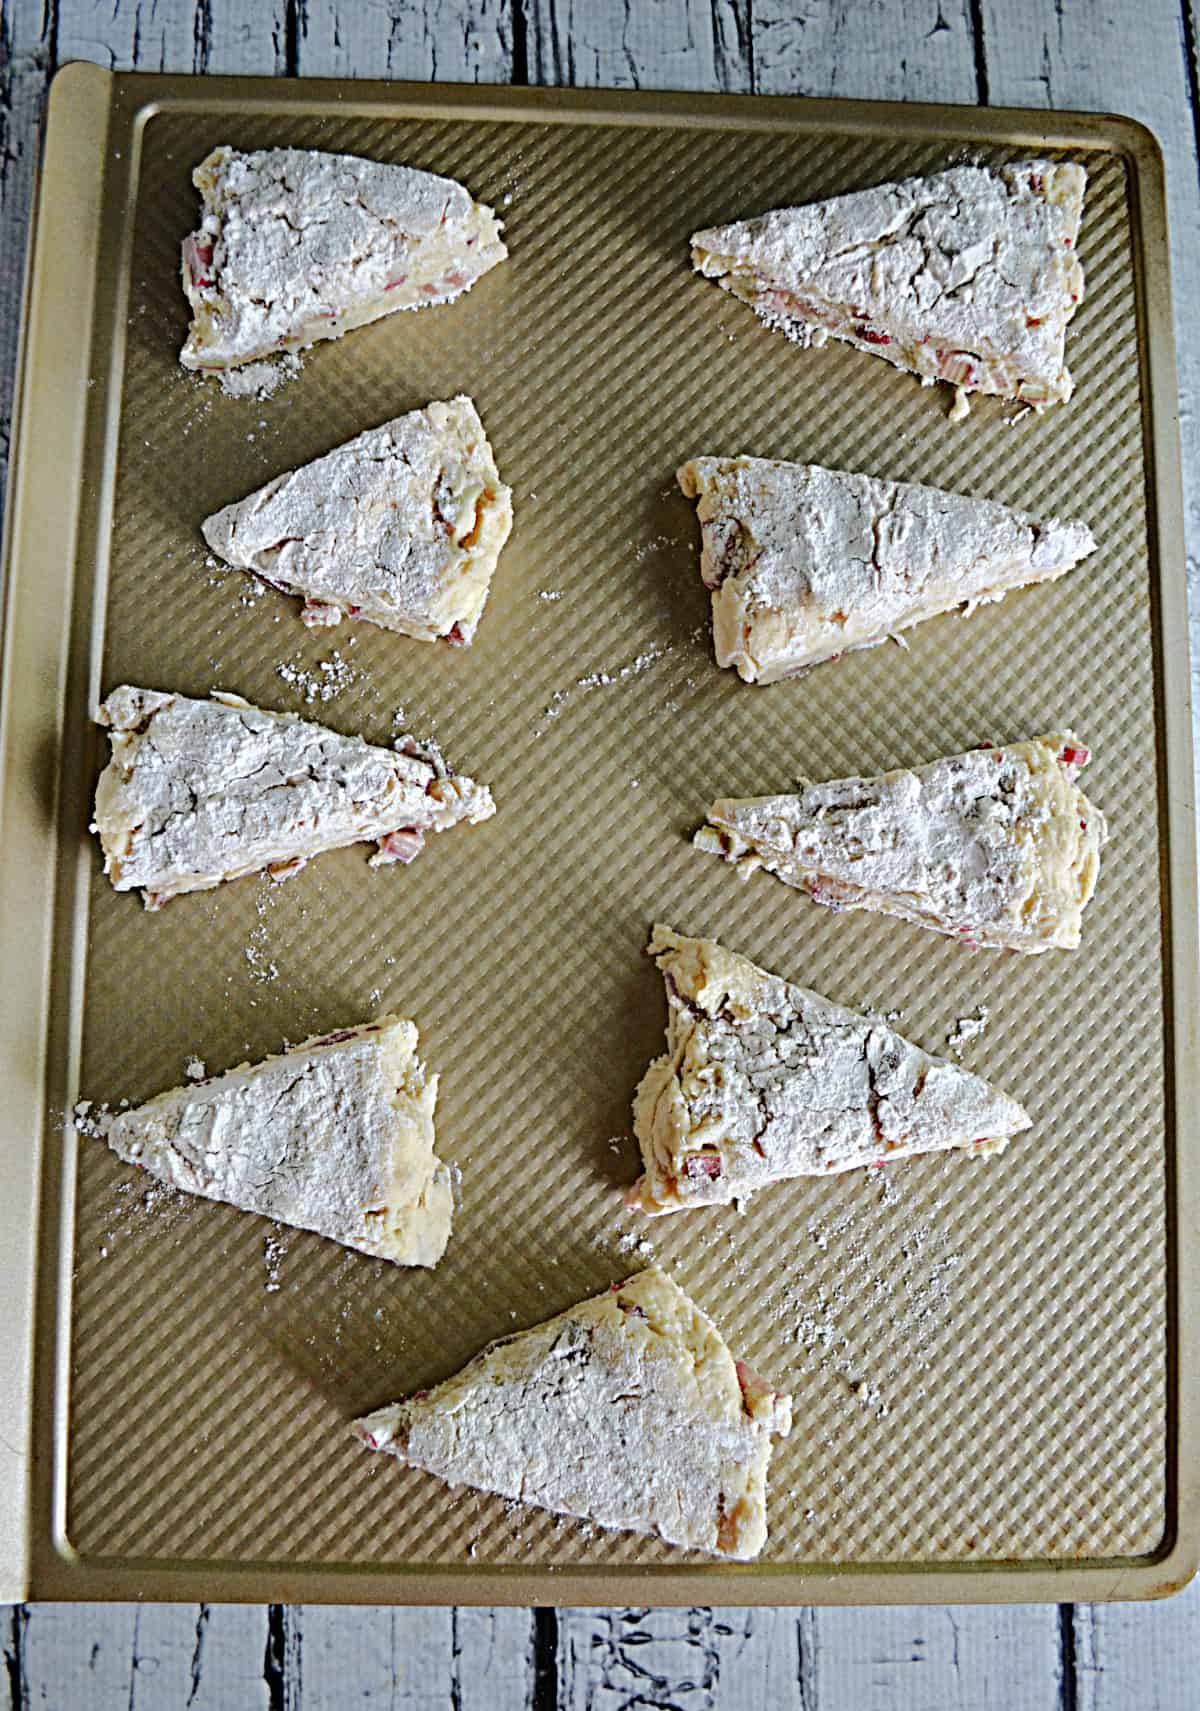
x,y
968,276
763,1080
334,1136
627,1410
401,525
295,246
806,563
998,846
198,792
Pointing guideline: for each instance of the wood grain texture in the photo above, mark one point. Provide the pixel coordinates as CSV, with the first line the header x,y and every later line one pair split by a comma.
x,y
418,1659
461,41
127,36
923,50
690,1659
613,1659
666,44
811,1660
1106,55
199,1657
28,54
966,1659
1139,1658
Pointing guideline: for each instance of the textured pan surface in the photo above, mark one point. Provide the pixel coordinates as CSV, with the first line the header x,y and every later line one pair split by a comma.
x,y
977,1352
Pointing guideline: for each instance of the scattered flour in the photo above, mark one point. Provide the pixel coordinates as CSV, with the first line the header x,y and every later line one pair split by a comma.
x,y
262,968
251,592
328,677
882,1285
643,662
89,1119
658,544
273,1253
631,1244
966,1029
258,379
602,680
888,1016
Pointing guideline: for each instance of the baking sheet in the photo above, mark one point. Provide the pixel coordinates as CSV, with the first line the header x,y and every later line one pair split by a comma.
x,y
986,1361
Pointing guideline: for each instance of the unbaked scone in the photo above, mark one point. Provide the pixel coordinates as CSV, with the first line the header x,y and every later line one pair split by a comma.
x,y
402,525
997,846
806,563
295,246
763,1080
627,1410
198,792
334,1136
968,276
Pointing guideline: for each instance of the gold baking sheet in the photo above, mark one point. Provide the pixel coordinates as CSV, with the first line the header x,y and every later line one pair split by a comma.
x,y
992,1389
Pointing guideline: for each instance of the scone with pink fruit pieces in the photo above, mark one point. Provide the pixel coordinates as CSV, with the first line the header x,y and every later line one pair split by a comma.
x,y
335,1135
627,1410
402,525
764,1080
295,246
998,846
806,563
968,276
198,792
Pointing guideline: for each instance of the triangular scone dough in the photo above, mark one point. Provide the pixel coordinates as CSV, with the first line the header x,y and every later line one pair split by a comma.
x,y
806,563
295,246
763,1080
335,1136
401,525
968,276
998,846
198,792
627,1410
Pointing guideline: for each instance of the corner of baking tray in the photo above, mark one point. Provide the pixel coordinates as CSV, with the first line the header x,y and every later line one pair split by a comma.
x,y
77,80
1134,139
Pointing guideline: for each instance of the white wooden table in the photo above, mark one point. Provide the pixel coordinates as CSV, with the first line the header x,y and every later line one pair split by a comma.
x,y
1131,56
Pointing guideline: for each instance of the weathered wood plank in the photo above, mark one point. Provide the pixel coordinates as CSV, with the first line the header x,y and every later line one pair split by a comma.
x,y
195,1657
73,1654
14,1619
175,35
492,1662
922,50
246,37
200,1657
669,44
969,1659
769,1658
140,1658
1141,1656
28,54
418,1659
951,1659
464,41
701,1658
127,35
